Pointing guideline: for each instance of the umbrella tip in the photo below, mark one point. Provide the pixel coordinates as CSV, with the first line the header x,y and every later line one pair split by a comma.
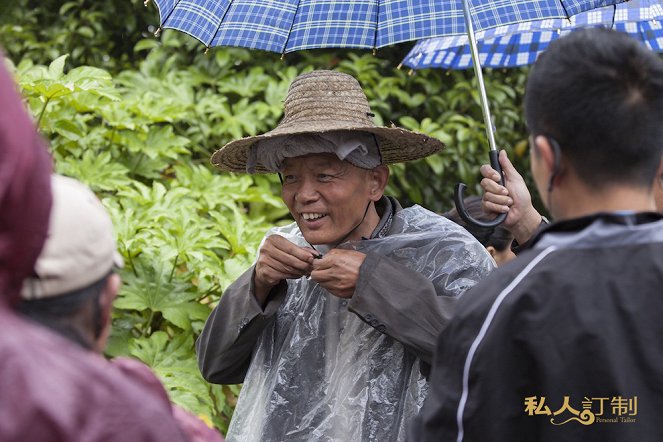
x,y
146,2
282,55
157,32
400,65
410,72
206,49
375,51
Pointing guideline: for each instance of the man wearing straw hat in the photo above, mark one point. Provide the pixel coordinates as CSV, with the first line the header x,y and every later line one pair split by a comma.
x,y
332,329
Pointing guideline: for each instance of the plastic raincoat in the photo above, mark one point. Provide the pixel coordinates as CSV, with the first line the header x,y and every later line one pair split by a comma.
x,y
323,371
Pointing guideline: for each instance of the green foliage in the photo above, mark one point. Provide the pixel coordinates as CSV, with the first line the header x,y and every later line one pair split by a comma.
x,y
137,117
185,232
100,34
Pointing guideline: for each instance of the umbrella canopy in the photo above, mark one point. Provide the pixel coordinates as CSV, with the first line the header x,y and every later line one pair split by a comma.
x,y
289,25
519,44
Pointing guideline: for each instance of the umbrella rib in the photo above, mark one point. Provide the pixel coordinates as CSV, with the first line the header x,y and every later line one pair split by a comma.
x,y
377,22
564,8
220,22
163,24
287,39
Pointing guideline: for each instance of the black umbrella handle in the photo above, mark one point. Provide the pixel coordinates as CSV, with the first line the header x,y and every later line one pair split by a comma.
x,y
459,196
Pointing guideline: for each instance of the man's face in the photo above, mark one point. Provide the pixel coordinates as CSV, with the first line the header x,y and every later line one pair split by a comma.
x,y
658,193
538,172
327,197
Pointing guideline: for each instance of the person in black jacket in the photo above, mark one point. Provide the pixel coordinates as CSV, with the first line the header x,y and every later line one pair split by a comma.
x,y
564,342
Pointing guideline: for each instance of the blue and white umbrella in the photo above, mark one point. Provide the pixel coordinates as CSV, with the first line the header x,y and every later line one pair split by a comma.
x,y
520,44
289,25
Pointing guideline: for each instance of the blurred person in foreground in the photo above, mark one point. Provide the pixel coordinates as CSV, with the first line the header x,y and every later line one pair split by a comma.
x,y
496,240
50,390
75,283
332,330
564,341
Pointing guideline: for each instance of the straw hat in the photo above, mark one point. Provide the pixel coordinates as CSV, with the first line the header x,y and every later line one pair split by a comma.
x,y
323,101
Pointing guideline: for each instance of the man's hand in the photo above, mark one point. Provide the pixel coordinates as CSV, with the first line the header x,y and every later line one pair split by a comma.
x,y
513,198
280,259
338,271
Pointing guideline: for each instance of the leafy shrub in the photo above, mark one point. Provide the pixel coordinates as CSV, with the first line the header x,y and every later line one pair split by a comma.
x,y
185,232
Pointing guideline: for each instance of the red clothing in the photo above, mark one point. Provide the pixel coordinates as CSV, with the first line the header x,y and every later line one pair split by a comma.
x,y
195,429
25,191
49,389
52,391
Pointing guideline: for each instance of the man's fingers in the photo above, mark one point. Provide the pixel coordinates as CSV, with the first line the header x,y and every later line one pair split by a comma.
x,y
322,276
503,200
339,258
292,262
490,186
507,166
489,173
490,207
285,264
287,254
273,272
278,242
327,262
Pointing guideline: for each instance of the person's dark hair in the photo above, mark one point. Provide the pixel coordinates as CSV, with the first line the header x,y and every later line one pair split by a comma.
x,y
599,93
62,312
498,237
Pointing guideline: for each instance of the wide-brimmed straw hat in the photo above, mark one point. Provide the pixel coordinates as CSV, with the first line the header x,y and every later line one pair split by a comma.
x,y
324,101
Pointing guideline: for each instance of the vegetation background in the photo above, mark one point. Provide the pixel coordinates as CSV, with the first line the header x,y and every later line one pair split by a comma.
x,y
137,117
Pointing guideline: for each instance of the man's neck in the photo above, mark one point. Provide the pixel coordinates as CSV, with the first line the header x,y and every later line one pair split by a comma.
x,y
577,200
369,224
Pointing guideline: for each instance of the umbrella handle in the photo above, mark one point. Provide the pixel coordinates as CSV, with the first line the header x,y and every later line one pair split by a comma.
x,y
459,196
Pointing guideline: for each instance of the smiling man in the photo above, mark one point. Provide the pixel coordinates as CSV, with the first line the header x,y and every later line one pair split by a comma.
x,y
332,330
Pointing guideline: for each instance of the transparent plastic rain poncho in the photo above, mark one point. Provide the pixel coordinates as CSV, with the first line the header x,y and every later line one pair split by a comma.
x,y
320,373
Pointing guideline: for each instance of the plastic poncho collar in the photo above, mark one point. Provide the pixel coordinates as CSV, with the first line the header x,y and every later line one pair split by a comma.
x,y
320,373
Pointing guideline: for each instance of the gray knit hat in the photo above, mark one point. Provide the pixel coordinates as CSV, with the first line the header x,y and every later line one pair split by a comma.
x,y
323,101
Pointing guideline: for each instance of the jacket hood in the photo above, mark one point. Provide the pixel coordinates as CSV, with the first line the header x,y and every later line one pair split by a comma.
x,y
25,193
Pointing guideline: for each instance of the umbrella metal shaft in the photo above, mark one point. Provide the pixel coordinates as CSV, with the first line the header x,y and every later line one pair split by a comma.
x,y
477,71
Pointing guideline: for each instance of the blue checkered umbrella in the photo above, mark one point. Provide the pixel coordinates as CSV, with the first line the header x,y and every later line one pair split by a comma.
x,y
517,44
289,25
520,44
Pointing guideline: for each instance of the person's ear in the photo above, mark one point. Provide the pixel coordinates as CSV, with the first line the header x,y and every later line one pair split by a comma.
x,y
112,288
548,151
492,250
658,187
544,150
379,177
108,295
659,172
